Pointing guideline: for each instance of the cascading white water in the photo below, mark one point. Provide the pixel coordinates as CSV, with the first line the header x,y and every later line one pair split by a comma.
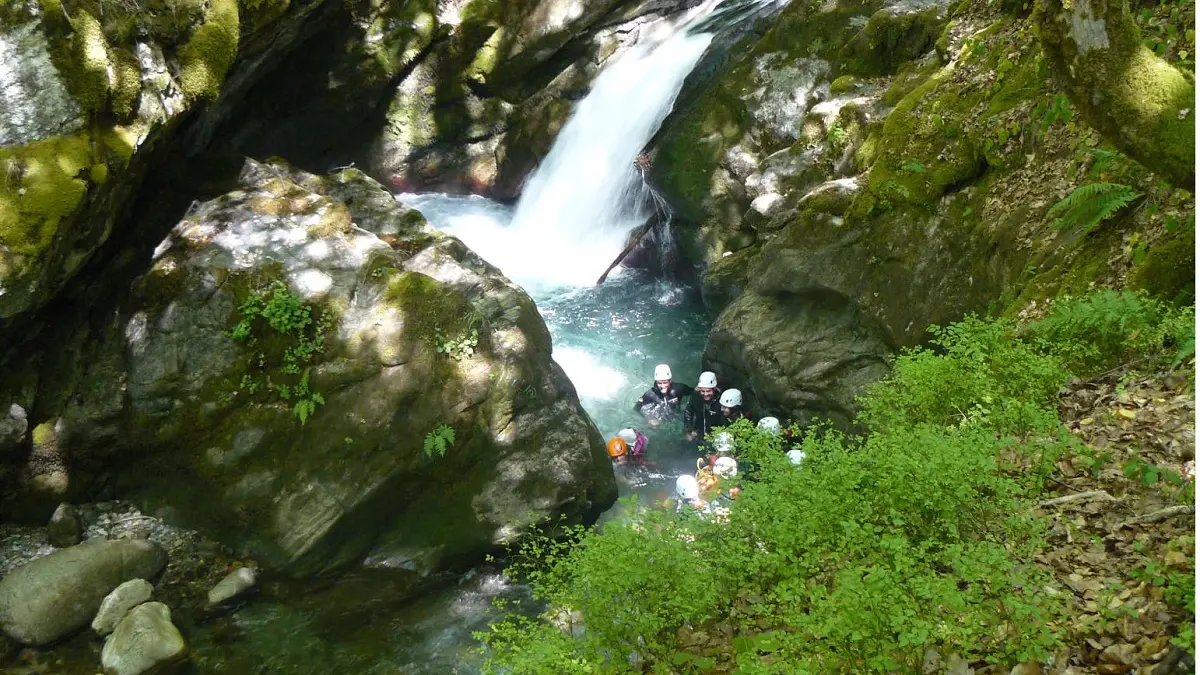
x,y
578,207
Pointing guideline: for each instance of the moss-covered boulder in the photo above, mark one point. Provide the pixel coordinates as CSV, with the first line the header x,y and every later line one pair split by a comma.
x,y
312,375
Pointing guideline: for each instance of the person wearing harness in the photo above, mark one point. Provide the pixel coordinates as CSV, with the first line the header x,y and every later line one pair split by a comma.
x,y
636,441
662,400
703,412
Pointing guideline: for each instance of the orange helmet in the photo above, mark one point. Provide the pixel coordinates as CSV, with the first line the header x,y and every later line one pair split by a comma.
x,y
617,447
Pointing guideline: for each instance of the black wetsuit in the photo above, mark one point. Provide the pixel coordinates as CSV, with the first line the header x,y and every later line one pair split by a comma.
x,y
736,415
666,404
703,416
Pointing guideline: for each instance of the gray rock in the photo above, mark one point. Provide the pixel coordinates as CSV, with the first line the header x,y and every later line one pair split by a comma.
x,y
32,94
798,355
315,497
12,428
118,603
234,584
65,527
144,641
52,597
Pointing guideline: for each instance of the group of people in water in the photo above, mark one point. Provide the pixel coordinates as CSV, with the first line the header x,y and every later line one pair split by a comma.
x,y
705,409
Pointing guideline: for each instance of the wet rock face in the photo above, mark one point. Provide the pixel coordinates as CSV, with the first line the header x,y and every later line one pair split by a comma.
x,y
307,464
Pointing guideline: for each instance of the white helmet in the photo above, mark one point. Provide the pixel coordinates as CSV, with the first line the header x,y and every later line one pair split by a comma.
x,y
796,455
708,380
627,435
686,488
662,372
770,425
723,442
732,398
725,467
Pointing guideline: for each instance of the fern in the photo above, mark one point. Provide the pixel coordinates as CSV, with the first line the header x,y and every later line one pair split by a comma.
x,y
438,440
1091,204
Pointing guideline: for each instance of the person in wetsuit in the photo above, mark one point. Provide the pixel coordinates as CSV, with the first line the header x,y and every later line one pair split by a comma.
x,y
703,412
664,399
731,407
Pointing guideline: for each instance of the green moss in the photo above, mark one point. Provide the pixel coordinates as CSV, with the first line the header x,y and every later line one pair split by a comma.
x,y
843,84
910,76
426,304
43,433
1168,270
128,82
49,190
90,56
210,52
1139,102
890,39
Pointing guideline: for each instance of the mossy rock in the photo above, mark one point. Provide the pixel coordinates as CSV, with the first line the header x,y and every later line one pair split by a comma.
x,y
207,56
1168,270
893,36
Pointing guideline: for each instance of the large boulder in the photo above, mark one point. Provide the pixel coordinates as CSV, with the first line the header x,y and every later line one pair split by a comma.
x,y
308,367
798,355
49,598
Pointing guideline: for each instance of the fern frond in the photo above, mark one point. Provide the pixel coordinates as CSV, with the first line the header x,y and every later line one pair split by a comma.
x,y
1091,204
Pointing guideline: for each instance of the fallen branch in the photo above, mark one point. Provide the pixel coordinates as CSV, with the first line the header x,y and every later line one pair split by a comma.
x,y
1157,516
636,239
1095,494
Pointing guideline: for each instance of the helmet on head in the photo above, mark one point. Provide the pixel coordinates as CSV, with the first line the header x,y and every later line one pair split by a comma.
x,y
708,380
723,442
796,455
617,447
662,372
770,425
731,398
725,467
687,488
627,435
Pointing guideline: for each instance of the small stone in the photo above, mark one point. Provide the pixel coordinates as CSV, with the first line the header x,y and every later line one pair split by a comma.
x,y
234,584
144,641
1119,654
118,603
65,527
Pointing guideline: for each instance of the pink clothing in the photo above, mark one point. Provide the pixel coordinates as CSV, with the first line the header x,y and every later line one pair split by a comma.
x,y
640,446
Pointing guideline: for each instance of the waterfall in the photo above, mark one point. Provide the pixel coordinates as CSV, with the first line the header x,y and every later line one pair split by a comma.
x,y
579,206
581,203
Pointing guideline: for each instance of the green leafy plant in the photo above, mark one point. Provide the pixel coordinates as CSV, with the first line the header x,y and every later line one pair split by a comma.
x,y
913,166
285,334
437,441
460,347
1102,329
1091,204
837,136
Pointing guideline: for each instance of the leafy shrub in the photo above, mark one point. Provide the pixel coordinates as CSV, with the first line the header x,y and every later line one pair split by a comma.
x,y
857,561
976,373
1098,331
